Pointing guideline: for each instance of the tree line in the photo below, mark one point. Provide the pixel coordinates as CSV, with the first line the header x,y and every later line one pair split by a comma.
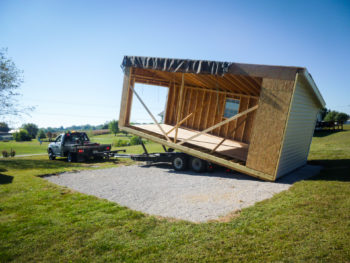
x,y
332,115
31,131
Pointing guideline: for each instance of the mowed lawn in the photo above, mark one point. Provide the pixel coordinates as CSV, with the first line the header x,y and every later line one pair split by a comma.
x,y
40,221
32,147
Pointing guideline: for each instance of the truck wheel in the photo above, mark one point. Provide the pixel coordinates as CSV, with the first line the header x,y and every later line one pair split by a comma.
x,y
198,165
180,163
51,155
71,157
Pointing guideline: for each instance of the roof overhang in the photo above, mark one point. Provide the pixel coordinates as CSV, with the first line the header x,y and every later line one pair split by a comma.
x,y
312,85
210,67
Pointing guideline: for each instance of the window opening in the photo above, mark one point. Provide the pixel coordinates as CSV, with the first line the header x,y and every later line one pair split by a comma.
x,y
231,108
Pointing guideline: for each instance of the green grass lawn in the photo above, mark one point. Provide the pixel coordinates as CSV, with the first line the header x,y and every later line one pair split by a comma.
x,y
32,147
40,221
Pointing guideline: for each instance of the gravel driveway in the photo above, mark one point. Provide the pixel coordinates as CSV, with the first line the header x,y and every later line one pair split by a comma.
x,y
158,190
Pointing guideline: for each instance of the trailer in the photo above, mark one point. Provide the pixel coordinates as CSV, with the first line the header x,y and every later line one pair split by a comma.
x,y
180,161
255,119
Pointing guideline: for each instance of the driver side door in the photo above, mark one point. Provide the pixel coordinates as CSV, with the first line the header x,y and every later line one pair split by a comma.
x,y
57,146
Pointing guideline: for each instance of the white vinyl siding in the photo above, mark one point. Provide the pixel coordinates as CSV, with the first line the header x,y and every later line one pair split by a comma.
x,y
299,131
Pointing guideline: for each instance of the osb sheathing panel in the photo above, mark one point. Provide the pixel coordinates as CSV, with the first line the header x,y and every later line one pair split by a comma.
x,y
269,125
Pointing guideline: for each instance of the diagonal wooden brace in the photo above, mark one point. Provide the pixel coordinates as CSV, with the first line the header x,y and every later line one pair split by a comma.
x,y
220,124
149,112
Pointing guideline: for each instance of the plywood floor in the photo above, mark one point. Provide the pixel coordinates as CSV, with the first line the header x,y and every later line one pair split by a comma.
x,y
230,148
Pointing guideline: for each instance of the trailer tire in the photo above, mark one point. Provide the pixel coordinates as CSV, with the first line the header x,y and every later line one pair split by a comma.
x,y
198,165
71,157
180,162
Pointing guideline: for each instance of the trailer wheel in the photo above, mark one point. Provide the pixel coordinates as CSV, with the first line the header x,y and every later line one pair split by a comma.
x,y
198,165
71,157
180,163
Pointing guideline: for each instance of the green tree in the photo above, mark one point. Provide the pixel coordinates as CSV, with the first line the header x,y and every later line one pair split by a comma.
x,y
331,116
341,116
32,129
22,135
10,81
41,134
113,127
4,127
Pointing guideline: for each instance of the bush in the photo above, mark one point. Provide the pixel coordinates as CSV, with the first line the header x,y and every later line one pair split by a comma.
x,y
135,140
12,153
22,135
120,143
5,154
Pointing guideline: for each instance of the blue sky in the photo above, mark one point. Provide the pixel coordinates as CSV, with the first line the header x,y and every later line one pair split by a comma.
x,y
70,51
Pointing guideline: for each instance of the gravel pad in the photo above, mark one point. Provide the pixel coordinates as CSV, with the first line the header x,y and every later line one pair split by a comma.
x,y
158,190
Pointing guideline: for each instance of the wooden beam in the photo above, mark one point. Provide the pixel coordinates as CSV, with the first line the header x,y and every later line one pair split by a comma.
x,y
208,110
150,113
124,99
195,107
179,123
243,105
220,124
224,139
129,100
189,105
179,105
221,92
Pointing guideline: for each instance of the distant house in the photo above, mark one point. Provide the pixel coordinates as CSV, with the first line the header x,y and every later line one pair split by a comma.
x,y
5,136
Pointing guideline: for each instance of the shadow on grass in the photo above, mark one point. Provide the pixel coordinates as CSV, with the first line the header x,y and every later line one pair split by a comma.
x,y
324,133
334,170
23,164
5,179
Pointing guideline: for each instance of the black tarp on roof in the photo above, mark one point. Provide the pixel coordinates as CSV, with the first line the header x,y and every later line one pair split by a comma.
x,y
177,65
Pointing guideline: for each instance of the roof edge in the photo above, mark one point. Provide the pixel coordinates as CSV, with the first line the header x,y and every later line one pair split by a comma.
x,y
211,67
314,88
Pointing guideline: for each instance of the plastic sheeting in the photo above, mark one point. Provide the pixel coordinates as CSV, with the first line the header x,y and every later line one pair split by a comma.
x,y
177,65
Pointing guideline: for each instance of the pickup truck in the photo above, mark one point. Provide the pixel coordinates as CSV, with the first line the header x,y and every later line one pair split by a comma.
x,y
76,146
